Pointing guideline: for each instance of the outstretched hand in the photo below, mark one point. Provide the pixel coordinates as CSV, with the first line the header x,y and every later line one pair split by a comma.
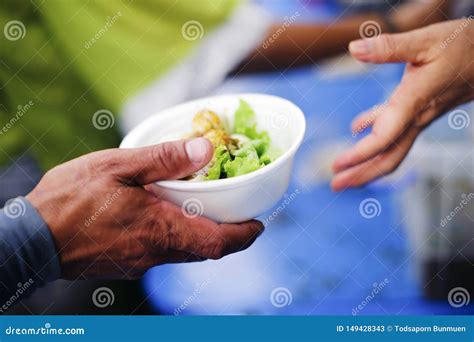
x,y
439,75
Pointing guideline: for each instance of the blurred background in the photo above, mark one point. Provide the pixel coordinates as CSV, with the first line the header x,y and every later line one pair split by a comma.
x,y
76,76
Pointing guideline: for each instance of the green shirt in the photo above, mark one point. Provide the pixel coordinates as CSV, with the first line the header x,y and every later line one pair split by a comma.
x,y
67,66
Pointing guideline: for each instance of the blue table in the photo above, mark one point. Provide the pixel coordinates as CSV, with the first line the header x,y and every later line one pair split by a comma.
x,y
319,255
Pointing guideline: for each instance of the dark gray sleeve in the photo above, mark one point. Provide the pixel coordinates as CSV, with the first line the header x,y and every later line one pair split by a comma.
x,y
28,256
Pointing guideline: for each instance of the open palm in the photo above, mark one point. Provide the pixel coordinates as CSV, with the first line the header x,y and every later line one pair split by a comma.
x,y
439,75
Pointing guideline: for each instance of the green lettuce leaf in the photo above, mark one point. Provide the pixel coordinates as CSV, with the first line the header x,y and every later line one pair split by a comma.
x,y
250,156
271,153
221,156
245,160
245,122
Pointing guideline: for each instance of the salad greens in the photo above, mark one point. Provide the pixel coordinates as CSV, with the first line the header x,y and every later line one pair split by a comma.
x,y
242,151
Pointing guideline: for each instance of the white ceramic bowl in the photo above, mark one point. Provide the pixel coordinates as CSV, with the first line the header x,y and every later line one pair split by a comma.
x,y
234,199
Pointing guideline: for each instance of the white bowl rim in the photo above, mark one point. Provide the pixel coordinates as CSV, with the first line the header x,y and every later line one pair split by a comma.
x,y
131,139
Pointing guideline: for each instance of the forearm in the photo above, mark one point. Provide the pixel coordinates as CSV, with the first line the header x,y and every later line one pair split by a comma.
x,y
28,257
301,44
418,14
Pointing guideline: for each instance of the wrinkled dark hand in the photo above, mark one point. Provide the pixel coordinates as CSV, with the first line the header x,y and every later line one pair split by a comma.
x,y
105,224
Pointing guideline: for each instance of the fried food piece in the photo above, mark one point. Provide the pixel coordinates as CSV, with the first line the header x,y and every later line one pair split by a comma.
x,y
217,137
206,120
207,124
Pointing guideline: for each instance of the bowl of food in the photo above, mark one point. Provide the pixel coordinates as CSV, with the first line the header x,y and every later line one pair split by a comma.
x,y
255,139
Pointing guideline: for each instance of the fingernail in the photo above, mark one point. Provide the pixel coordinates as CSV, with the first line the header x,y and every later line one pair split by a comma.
x,y
197,149
360,47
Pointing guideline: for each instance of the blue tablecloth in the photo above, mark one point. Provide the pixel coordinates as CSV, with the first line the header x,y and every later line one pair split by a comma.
x,y
319,255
